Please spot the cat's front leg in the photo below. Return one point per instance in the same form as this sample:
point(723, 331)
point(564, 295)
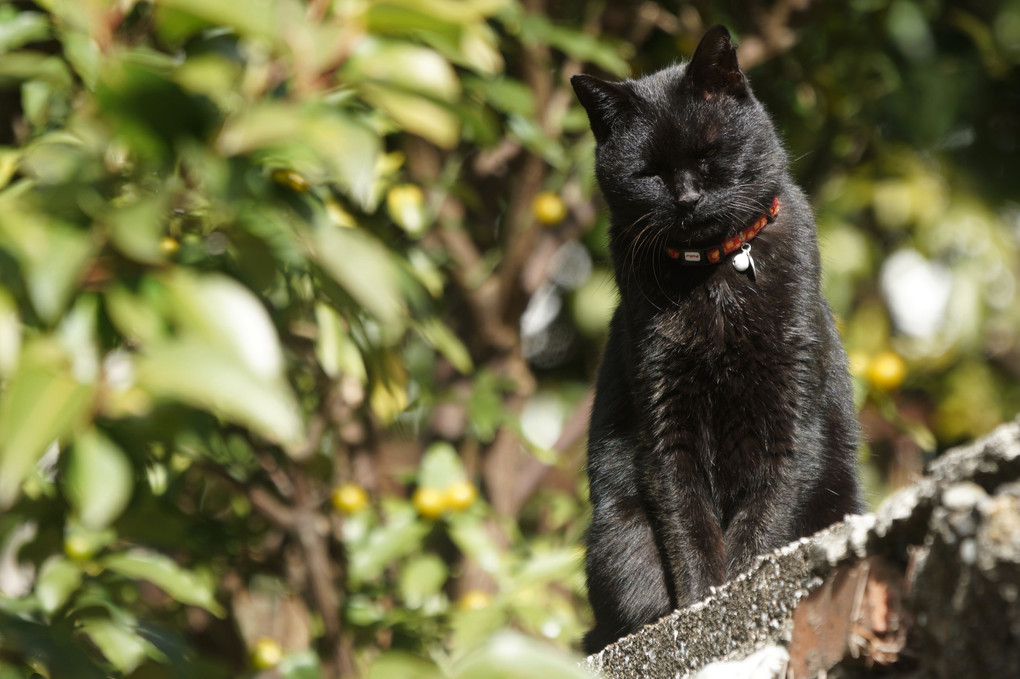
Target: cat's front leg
point(686, 526)
point(764, 521)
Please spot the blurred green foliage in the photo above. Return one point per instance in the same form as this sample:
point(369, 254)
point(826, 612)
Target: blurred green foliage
point(299, 302)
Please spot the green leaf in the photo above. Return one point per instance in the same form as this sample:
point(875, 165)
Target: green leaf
point(21, 28)
point(335, 350)
point(400, 537)
point(137, 230)
point(471, 536)
point(41, 404)
point(557, 565)
point(226, 315)
point(197, 374)
point(256, 19)
point(412, 84)
point(512, 656)
point(58, 578)
point(153, 114)
point(322, 144)
point(10, 335)
point(422, 578)
point(440, 466)
point(122, 645)
point(17, 67)
point(183, 585)
point(300, 665)
point(403, 65)
point(52, 256)
point(52, 646)
point(439, 335)
point(538, 30)
point(137, 319)
point(99, 480)
point(364, 268)
point(400, 665)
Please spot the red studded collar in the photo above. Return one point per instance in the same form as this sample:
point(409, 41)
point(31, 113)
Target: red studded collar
point(714, 255)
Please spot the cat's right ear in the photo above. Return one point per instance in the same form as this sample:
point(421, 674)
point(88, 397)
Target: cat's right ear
point(604, 101)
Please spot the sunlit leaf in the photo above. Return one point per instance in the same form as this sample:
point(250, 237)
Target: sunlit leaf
point(300, 665)
point(440, 466)
point(537, 29)
point(122, 645)
point(472, 537)
point(513, 656)
point(363, 267)
point(40, 404)
point(99, 480)
point(20, 28)
point(195, 373)
point(443, 339)
point(183, 585)
point(422, 577)
point(223, 313)
point(334, 348)
point(321, 144)
point(57, 579)
point(10, 334)
point(401, 536)
point(249, 18)
point(52, 257)
point(398, 665)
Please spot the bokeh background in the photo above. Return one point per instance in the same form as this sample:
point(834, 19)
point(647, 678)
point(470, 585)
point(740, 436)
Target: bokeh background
point(300, 303)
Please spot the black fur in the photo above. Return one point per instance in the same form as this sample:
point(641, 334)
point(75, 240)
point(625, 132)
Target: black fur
point(723, 424)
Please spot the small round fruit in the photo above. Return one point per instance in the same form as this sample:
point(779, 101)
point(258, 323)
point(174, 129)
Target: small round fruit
point(430, 502)
point(349, 498)
point(266, 654)
point(78, 548)
point(549, 208)
point(460, 495)
point(887, 370)
point(474, 600)
point(169, 245)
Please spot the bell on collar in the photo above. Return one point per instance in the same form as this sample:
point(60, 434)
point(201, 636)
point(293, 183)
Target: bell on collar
point(743, 262)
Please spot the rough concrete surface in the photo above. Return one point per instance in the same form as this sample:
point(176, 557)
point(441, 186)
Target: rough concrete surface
point(927, 586)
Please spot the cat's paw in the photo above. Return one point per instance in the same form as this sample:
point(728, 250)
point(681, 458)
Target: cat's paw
point(767, 663)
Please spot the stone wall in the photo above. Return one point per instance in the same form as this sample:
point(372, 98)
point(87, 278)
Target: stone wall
point(927, 586)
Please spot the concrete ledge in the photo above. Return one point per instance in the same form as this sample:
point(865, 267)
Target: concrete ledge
point(927, 586)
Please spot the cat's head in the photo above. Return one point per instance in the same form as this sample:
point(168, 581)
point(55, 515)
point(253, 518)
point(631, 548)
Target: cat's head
point(685, 155)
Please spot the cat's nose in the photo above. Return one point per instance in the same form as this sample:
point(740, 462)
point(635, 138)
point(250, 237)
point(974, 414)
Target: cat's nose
point(687, 189)
point(689, 197)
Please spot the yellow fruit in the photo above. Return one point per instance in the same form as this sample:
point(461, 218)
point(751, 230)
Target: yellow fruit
point(292, 179)
point(474, 600)
point(266, 654)
point(886, 370)
point(169, 246)
point(460, 495)
point(430, 502)
point(549, 208)
point(349, 498)
point(78, 548)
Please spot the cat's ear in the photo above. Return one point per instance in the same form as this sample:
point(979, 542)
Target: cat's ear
point(713, 68)
point(604, 101)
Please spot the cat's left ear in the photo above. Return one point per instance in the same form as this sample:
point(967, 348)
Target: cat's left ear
point(713, 68)
point(604, 101)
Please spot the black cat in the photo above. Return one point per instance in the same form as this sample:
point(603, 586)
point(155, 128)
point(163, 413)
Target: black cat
point(723, 424)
